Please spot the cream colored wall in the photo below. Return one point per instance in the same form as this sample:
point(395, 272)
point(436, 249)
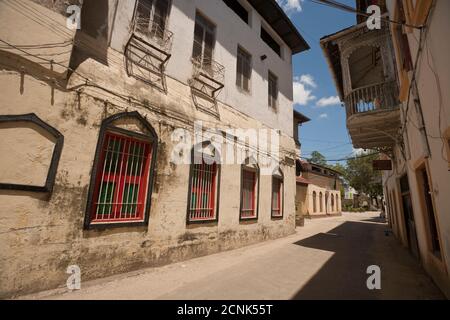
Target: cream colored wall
point(433, 79)
point(41, 235)
point(326, 206)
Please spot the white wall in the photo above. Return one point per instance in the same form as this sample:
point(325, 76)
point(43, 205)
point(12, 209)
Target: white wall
point(230, 32)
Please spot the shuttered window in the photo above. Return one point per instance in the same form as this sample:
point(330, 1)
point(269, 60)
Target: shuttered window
point(273, 90)
point(202, 197)
point(204, 39)
point(121, 185)
point(152, 16)
point(244, 69)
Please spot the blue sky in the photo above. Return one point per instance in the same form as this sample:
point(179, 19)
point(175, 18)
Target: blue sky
point(314, 91)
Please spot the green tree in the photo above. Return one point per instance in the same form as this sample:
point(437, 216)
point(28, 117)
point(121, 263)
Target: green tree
point(318, 158)
point(362, 177)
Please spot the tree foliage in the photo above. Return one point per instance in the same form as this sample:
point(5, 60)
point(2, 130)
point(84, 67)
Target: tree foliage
point(362, 177)
point(318, 158)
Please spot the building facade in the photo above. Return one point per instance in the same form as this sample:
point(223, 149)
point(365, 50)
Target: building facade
point(318, 192)
point(114, 135)
point(393, 82)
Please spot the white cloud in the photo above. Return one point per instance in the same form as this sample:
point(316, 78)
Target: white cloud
point(358, 152)
point(291, 6)
point(323, 116)
point(329, 101)
point(302, 89)
point(307, 79)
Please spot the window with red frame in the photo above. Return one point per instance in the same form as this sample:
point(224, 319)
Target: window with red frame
point(121, 185)
point(277, 197)
point(202, 198)
point(248, 194)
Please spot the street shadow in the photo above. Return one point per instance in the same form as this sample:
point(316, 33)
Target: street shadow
point(343, 276)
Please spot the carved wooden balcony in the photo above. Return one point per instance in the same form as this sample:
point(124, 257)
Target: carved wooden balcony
point(373, 115)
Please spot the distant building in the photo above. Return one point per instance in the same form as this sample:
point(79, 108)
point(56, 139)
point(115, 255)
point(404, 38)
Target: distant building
point(318, 191)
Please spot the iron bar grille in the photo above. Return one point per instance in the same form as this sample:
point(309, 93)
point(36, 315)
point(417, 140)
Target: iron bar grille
point(382, 96)
point(151, 24)
point(248, 208)
point(276, 198)
point(203, 192)
point(122, 180)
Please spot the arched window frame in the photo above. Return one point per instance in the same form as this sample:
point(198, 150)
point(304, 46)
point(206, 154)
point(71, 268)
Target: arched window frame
point(250, 165)
point(320, 202)
point(197, 156)
point(277, 177)
point(314, 195)
point(151, 139)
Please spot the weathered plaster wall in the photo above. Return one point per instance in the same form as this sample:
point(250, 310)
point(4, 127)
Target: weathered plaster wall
point(41, 234)
point(181, 22)
point(433, 79)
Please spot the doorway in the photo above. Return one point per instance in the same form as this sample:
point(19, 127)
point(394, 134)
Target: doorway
point(409, 216)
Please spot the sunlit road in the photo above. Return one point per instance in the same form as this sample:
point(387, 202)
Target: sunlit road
point(326, 259)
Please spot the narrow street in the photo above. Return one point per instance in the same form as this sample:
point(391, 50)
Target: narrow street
point(326, 259)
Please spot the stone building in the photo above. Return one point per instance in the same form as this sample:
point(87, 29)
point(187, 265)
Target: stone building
point(393, 81)
point(318, 191)
point(111, 134)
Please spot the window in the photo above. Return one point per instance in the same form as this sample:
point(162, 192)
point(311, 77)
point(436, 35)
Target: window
point(249, 190)
point(238, 9)
point(204, 39)
point(273, 90)
point(151, 17)
point(203, 187)
point(314, 201)
point(267, 38)
point(321, 201)
point(122, 175)
point(277, 194)
point(244, 69)
point(332, 202)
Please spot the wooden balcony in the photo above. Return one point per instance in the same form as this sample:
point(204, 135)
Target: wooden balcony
point(373, 115)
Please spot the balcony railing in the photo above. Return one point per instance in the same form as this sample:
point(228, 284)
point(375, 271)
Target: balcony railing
point(208, 76)
point(381, 96)
point(154, 32)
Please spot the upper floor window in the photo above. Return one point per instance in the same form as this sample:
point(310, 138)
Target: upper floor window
point(204, 40)
point(244, 69)
point(270, 41)
point(151, 17)
point(123, 172)
point(238, 9)
point(402, 38)
point(273, 90)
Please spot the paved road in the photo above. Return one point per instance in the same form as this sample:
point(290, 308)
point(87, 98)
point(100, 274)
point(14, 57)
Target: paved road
point(326, 259)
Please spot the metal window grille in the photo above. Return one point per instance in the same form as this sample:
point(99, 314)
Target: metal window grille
point(273, 90)
point(122, 180)
point(243, 73)
point(248, 196)
point(202, 192)
point(276, 198)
